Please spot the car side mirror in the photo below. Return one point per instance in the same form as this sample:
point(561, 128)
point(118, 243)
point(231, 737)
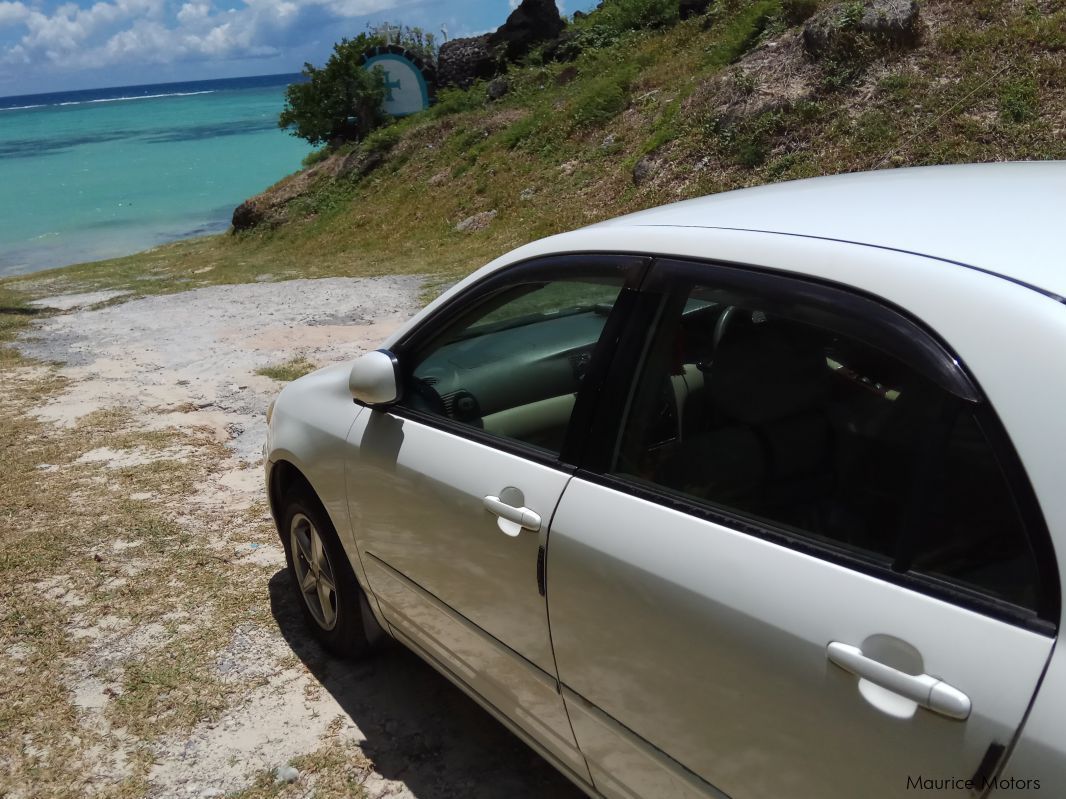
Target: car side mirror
point(375, 379)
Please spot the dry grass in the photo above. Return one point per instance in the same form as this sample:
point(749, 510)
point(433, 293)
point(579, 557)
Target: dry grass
point(288, 371)
point(113, 605)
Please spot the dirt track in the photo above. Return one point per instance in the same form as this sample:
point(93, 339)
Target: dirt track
point(183, 366)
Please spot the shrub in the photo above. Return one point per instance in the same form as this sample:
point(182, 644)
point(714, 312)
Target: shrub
point(339, 102)
point(607, 23)
point(316, 157)
point(628, 15)
point(381, 140)
point(601, 100)
point(456, 101)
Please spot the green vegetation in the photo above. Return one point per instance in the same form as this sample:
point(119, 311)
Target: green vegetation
point(721, 102)
point(342, 102)
point(617, 17)
point(339, 102)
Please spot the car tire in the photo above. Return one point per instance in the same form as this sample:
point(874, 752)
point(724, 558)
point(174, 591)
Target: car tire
point(332, 602)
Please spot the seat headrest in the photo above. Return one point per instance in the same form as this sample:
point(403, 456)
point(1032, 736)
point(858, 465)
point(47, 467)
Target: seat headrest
point(768, 370)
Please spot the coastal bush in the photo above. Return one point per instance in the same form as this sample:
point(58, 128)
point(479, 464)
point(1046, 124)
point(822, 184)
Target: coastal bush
point(339, 102)
point(382, 140)
point(456, 101)
point(601, 99)
point(315, 157)
point(627, 15)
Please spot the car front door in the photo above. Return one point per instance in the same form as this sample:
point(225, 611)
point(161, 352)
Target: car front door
point(801, 560)
point(451, 491)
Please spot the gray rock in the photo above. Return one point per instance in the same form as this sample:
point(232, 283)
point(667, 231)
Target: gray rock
point(645, 169)
point(887, 23)
point(472, 224)
point(527, 195)
point(246, 216)
point(609, 141)
point(892, 22)
point(286, 774)
point(463, 61)
point(533, 22)
point(498, 88)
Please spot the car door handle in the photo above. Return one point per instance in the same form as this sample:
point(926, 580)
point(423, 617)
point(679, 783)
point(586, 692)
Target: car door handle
point(929, 692)
point(512, 520)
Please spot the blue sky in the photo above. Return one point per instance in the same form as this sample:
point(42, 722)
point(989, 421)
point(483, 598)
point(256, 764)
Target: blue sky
point(57, 45)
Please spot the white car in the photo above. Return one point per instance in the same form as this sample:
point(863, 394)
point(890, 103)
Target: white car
point(757, 495)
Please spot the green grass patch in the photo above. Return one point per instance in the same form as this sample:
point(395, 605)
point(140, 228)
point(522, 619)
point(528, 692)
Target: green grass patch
point(601, 99)
point(1018, 100)
point(737, 31)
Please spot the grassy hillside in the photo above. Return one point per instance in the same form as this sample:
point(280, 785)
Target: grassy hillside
point(725, 100)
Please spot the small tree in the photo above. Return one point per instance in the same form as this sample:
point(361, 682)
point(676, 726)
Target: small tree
point(340, 102)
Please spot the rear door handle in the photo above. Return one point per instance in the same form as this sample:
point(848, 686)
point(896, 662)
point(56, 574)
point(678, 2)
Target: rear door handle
point(512, 520)
point(929, 692)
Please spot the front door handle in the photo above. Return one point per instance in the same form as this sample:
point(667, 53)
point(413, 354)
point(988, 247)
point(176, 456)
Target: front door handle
point(929, 692)
point(512, 520)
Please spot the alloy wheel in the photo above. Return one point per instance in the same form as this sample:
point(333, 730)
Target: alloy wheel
point(314, 572)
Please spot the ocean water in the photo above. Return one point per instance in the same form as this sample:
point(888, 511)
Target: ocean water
point(97, 174)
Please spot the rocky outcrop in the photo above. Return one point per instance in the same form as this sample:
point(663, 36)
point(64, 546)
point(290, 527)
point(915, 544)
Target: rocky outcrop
point(885, 23)
point(270, 209)
point(533, 22)
point(463, 61)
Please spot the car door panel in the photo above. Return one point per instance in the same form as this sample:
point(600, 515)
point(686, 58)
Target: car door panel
point(515, 687)
point(710, 645)
point(445, 573)
point(622, 764)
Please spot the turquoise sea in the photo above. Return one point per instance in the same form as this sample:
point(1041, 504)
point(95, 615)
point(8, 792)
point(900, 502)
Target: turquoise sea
point(95, 174)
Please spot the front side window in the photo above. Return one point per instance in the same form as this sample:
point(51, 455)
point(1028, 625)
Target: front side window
point(753, 408)
point(512, 365)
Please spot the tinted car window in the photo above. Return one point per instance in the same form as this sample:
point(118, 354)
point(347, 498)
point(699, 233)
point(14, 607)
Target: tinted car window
point(512, 365)
point(758, 413)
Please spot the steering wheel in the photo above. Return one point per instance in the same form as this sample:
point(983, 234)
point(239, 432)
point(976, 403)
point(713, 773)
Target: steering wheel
point(423, 397)
point(722, 325)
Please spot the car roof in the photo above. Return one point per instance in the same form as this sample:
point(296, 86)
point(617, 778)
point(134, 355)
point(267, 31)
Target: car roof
point(1006, 218)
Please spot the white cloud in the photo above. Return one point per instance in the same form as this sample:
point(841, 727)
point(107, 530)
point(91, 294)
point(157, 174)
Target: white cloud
point(193, 13)
point(132, 32)
point(12, 13)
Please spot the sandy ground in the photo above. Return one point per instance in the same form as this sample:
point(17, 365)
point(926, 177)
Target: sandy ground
point(187, 361)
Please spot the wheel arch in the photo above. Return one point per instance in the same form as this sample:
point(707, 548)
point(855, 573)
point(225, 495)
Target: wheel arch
point(284, 475)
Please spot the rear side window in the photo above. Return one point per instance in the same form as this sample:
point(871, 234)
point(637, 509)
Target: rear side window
point(753, 409)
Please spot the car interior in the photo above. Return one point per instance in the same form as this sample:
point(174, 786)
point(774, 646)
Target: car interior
point(798, 425)
point(516, 369)
point(752, 411)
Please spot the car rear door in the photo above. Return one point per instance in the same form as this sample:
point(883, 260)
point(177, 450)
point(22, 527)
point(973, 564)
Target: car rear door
point(802, 558)
point(451, 491)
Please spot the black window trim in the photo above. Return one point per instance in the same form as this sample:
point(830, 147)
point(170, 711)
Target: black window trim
point(569, 266)
point(952, 375)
